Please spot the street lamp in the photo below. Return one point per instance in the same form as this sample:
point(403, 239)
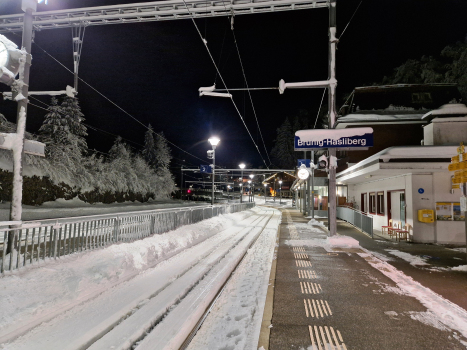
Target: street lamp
point(280, 190)
point(242, 166)
point(249, 190)
point(265, 195)
point(213, 141)
point(253, 185)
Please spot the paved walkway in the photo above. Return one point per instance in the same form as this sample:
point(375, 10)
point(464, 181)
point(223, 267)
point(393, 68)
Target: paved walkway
point(338, 298)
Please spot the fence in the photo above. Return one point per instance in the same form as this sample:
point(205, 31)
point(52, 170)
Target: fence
point(356, 218)
point(39, 240)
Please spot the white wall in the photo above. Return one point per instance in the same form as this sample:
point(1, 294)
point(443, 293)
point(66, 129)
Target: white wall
point(422, 232)
point(436, 188)
point(403, 182)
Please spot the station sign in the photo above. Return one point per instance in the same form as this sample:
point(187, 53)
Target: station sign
point(205, 169)
point(306, 162)
point(342, 139)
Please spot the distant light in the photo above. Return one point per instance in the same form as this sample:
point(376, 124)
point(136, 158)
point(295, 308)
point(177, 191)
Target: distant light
point(265, 185)
point(189, 191)
point(252, 176)
point(214, 141)
point(242, 166)
point(280, 182)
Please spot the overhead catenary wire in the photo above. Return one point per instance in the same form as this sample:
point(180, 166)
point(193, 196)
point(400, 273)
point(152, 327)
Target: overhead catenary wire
point(223, 82)
point(350, 19)
point(319, 109)
point(105, 97)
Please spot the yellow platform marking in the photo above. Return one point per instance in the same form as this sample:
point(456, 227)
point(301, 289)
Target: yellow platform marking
point(310, 288)
point(323, 338)
point(317, 308)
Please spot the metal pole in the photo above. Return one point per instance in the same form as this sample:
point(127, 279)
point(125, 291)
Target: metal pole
point(213, 172)
point(274, 189)
point(280, 194)
point(313, 185)
point(181, 182)
point(16, 202)
point(241, 189)
point(332, 116)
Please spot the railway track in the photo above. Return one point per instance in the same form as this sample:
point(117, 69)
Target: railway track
point(162, 308)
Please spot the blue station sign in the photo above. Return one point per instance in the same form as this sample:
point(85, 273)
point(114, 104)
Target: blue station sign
point(351, 138)
point(205, 169)
point(307, 162)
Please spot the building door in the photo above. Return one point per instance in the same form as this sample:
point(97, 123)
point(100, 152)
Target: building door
point(364, 202)
point(402, 207)
point(397, 207)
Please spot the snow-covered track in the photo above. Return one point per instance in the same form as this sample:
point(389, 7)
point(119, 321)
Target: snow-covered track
point(122, 316)
point(52, 238)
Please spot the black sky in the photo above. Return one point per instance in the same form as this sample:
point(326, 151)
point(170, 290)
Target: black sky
point(153, 70)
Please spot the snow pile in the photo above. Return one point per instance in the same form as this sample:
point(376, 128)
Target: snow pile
point(460, 268)
point(342, 242)
point(315, 222)
point(412, 259)
point(73, 279)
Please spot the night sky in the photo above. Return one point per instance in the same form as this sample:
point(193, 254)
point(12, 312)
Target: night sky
point(153, 70)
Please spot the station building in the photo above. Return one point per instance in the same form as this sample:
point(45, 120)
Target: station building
point(417, 129)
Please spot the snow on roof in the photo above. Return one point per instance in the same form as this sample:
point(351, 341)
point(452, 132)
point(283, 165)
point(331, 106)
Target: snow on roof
point(374, 116)
point(405, 152)
point(446, 110)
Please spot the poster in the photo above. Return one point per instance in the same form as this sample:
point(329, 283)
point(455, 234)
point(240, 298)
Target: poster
point(443, 211)
point(458, 215)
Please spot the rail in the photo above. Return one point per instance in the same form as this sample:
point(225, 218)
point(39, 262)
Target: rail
point(52, 238)
point(356, 218)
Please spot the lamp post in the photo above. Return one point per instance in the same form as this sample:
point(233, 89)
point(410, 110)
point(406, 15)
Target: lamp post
point(249, 184)
point(265, 187)
point(280, 192)
point(253, 185)
point(242, 166)
point(213, 141)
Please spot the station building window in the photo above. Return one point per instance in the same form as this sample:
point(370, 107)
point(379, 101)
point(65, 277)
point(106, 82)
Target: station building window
point(372, 204)
point(380, 203)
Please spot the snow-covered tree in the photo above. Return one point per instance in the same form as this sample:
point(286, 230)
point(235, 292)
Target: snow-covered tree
point(73, 121)
point(149, 150)
point(163, 156)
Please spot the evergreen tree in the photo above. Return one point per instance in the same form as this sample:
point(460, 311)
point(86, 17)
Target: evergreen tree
point(163, 156)
point(283, 151)
point(53, 129)
point(73, 121)
point(149, 150)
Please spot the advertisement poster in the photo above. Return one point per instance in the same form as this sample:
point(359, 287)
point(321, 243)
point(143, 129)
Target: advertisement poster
point(458, 215)
point(444, 211)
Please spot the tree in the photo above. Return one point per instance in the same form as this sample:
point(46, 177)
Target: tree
point(149, 151)
point(163, 156)
point(283, 151)
point(450, 67)
point(73, 121)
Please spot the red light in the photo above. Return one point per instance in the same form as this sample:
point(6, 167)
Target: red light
point(189, 191)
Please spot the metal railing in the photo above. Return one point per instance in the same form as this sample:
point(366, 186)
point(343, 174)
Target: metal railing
point(356, 218)
point(52, 238)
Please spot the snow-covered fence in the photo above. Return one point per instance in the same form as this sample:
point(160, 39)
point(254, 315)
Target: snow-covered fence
point(41, 240)
point(356, 218)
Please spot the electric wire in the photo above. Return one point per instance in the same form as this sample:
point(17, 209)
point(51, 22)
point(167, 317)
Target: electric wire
point(249, 94)
point(223, 82)
point(105, 97)
point(317, 116)
point(350, 19)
